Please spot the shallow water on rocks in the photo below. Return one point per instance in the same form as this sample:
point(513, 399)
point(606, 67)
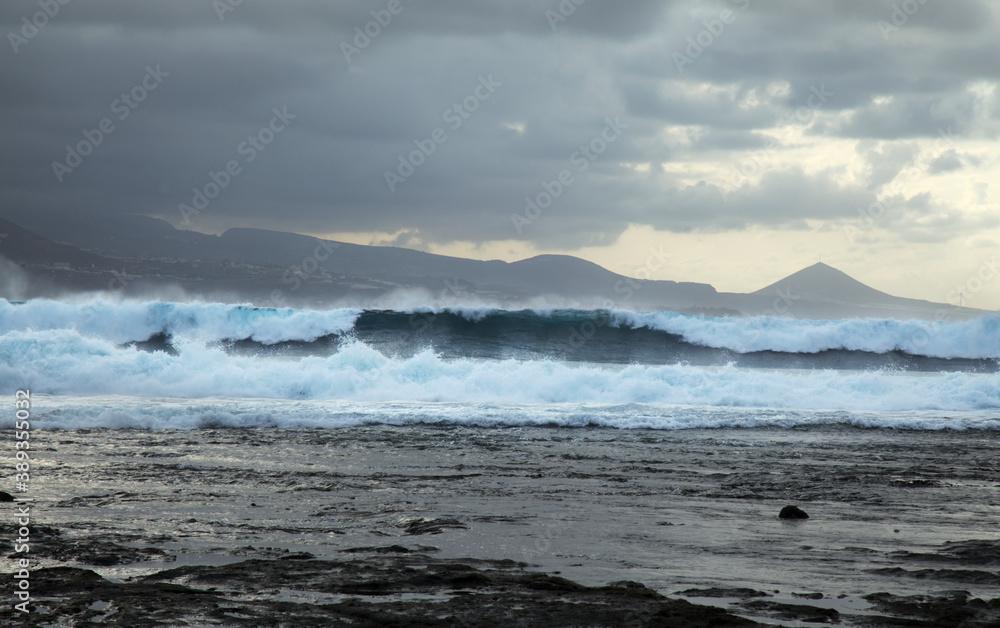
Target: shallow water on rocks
point(903, 512)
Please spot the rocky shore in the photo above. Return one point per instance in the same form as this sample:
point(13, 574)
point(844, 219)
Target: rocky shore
point(386, 586)
point(393, 585)
point(446, 526)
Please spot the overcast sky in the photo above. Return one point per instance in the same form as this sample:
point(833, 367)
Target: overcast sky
point(741, 140)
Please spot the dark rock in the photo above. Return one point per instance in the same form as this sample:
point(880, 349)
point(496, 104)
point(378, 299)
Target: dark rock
point(103, 560)
point(542, 582)
point(378, 549)
point(431, 526)
point(737, 592)
point(683, 613)
point(6, 497)
point(967, 576)
point(917, 483)
point(792, 512)
point(948, 608)
point(629, 584)
point(161, 341)
point(264, 552)
point(800, 612)
point(631, 588)
point(981, 553)
point(101, 550)
point(450, 593)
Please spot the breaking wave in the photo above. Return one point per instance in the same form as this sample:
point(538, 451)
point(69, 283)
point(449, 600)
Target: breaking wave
point(562, 367)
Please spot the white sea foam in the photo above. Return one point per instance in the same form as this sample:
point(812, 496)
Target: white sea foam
point(75, 349)
point(65, 362)
point(124, 321)
point(73, 412)
point(976, 338)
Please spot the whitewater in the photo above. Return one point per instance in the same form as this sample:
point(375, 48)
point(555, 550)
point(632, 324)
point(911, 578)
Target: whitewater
point(161, 365)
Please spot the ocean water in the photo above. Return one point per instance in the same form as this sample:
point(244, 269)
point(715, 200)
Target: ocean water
point(599, 445)
point(131, 364)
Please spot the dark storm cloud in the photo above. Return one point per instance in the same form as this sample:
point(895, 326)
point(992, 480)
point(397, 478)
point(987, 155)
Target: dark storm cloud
point(923, 219)
point(559, 70)
point(947, 162)
point(886, 162)
point(909, 116)
point(787, 197)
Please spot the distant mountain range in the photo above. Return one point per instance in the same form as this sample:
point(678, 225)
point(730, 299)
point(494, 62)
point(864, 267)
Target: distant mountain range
point(814, 291)
point(19, 244)
point(144, 256)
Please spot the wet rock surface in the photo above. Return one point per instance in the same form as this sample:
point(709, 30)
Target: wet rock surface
point(985, 553)
point(99, 550)
point(971, 576)
point(946, 609)
point(792, 512)
point(376, 590)
point(375, 526)
point(430, 525)
point(720, 592)
point(800, 612)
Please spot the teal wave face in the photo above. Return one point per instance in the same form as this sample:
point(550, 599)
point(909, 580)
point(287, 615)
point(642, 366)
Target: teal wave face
point(600, 336)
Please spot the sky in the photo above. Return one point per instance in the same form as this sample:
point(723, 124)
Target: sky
point(723, 141)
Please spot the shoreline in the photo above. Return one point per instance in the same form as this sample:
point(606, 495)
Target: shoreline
point(690, 514)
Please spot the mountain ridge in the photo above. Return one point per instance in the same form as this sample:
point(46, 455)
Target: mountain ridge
point(834, 282)
point(321, 272)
